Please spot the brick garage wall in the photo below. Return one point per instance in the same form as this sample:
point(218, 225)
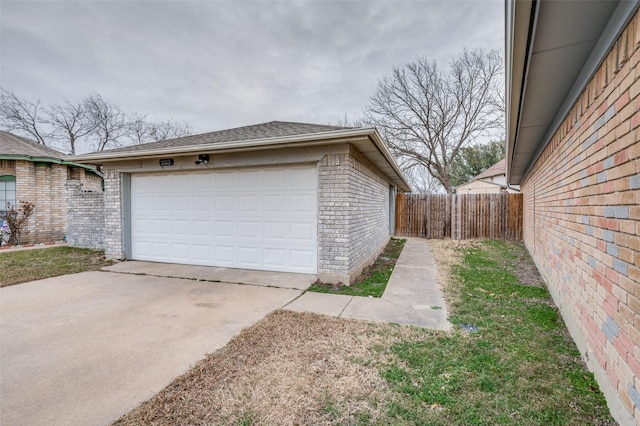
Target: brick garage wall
point(353, 215)
point(113, 238)
point(368, 213)
point(85, 216)
point(582, 223)
point(333, 229)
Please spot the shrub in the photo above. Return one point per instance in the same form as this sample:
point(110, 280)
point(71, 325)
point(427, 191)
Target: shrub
point(17, 220)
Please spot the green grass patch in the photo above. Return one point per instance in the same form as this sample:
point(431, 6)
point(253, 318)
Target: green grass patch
point(373, 280)
point(28, 265)
point(519, 367)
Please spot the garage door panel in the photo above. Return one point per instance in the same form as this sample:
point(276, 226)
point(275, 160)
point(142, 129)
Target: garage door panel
point(303, 178)
point(224, 254)
point(249, 204)
point(302, 232)
point(201, 254)
point(303, 203)
point(274, 179)
point(249, 257)
point(225, 229)
point(202, 205)
point(224, 203)
point(274, 257)
point(225, 180)
point(258, 218)
point(276, 204)
point(275, 231)
point(302, 260)
point(251, 230)
point(249, 179)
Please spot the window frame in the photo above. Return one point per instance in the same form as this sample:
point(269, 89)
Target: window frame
point(3, 192)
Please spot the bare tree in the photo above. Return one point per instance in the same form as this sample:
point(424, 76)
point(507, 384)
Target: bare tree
point(140, 130)
point(108, 120)
point(69, 122)
point(427, 115)
point(22, 116)
point(168, 129)
point(93, 120)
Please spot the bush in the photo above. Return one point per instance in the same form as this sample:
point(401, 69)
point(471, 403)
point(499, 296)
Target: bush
point(16, 220)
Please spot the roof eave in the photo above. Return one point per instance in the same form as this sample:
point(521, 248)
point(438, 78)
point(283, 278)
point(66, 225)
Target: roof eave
point(523, 18)
point(46, 160)
point(310, 139)
point(519, 16)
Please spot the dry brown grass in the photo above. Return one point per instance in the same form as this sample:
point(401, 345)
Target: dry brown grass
point(290, 368)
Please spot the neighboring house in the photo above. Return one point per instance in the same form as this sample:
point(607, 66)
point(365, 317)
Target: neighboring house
point(491, 181)
point(33, 172)
point(573, 117)
point(276, 196)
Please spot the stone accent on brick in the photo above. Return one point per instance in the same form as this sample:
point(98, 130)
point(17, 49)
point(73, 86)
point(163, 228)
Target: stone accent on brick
point(85, 216)
point(353, 215)
point(582, 223)
point(113, 238)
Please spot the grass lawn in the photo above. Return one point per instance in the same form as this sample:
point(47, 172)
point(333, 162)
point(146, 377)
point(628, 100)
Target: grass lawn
point(508, 360)
point(28, 265)
point(373, 280)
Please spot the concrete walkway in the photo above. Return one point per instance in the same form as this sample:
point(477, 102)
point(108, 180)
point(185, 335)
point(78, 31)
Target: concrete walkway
point(413, 295)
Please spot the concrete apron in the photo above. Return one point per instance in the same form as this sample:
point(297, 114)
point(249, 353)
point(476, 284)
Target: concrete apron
point(214, 273)
point(87, 348)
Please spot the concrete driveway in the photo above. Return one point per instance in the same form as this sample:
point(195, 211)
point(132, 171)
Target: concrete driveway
point(86, 348)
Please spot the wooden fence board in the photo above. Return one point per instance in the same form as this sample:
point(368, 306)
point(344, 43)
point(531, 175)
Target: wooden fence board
point(464, 216)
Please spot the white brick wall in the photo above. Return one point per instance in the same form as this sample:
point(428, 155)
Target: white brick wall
point(85, 216)
point(113, 237)
point(353, 215)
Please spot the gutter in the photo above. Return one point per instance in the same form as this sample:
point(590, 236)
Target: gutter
point(49, 160)
point(249, 144)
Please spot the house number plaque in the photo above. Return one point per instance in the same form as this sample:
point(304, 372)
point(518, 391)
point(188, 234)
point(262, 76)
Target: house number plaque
point(166, 162)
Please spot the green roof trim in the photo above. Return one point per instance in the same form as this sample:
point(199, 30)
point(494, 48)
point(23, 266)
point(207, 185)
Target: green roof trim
point(46, 160)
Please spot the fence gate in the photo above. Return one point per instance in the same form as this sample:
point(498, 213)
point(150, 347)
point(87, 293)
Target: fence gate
point(464, 216)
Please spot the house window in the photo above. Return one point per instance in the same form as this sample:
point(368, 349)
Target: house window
point(7, 192)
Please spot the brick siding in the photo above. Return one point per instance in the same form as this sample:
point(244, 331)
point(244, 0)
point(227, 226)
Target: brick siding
point(85, 215)
point(113, 238)
point(353, 215)
point(582, 223)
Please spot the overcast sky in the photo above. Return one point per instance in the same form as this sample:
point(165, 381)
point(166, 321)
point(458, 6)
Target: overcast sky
point(223, 64)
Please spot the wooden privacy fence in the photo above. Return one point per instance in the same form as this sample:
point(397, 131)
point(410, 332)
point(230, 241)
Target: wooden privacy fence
point(496, 216)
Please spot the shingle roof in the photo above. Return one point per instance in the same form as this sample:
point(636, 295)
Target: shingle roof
point(496, 170)
point(11, 144)
point(273, 129)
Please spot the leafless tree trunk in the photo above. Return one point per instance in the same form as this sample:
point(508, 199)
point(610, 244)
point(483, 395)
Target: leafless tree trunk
point(70, 122)
point(108, 120)
point(17, 114)
point(427, 116)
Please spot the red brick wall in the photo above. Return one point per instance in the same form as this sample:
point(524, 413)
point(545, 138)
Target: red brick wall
point(582, 223)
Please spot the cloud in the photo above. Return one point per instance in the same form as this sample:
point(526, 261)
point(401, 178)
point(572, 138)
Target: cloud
point(219, 64)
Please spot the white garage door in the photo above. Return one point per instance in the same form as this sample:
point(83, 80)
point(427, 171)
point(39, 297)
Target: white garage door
point(252, 218)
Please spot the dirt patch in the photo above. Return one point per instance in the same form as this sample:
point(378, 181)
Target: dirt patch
point(291, 368)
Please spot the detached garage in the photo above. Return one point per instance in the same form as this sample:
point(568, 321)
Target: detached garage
point(277, 196)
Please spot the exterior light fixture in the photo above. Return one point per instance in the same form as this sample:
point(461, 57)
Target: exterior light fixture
point(203, 158)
